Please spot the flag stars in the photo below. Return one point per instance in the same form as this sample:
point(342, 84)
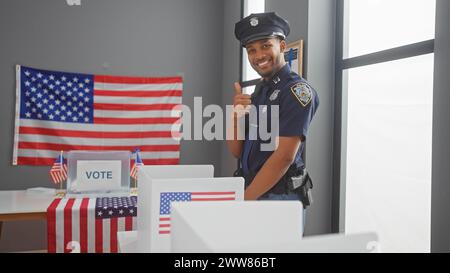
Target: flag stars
point(86, 99)
point(75, 108)
point(87, 81)
point(86, 109)
point(74, 119)
point(51, 116)
point(69, 103)
point(80, 114)
point(81, 85)
point(27, 73)
point(28, 104)
point(80, 94)
point(69, 84)
point(121, 211)
point(86, 90)
point(63, 118)
point(110, 212)
point(27, 83)
point(27, 93)
point(39, 75)
point(100, 213)
point(28, 114)
point(52, 77)
point(39, 115)
point(69, 93)
point(52, 97)
point(33, 79)
point(57, 112)
point(80, 104)
point(63, 78)
point(74, 98)
point(63, 107)
point(57, 102)
point(63, 97)
point(45, 101)
point(63, 88)
point(33, 99)
point(51, 86)
point(51, 106)
point(39, 95)
point(75, 79)
point(45, 81)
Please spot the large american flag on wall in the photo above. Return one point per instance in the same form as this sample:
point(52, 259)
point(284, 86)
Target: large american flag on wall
point(60, 111)
point(91, 222)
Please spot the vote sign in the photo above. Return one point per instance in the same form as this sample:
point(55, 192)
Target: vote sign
point(98, 175)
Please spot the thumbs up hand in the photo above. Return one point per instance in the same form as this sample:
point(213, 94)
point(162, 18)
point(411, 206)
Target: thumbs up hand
point(241, 102)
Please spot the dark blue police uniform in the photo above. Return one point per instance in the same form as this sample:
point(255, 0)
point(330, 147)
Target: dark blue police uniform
point(297, 102)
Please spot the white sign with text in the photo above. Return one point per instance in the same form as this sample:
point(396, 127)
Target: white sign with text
point(98, 175)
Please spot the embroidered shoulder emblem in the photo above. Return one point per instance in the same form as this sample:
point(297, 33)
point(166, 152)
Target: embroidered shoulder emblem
point(302, 93)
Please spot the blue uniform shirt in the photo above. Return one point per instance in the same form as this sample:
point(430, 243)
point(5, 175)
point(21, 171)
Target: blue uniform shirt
point(297, 102)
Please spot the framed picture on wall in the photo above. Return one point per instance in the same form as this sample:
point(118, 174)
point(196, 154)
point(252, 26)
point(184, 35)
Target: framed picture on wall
point(294, 56)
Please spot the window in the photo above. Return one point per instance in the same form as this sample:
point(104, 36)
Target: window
point(248, 73)
point(386, 82)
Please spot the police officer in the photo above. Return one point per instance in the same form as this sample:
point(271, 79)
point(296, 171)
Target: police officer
point(267, 172)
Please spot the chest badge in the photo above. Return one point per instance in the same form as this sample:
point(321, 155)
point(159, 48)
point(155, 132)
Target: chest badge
point(303, 93)
point(274, 95)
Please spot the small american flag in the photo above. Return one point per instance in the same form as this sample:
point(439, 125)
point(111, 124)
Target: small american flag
point(138, 162)
point(58, 172)
point(62, 111)
point(93, 222)
point(167, 197)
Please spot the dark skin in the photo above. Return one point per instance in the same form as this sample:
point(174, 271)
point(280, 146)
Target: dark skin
point(266, 56)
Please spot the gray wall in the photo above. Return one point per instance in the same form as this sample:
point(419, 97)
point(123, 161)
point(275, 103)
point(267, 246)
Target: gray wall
point(296, 12)
point(231, 62)
point(440, 202)
point(165, 37)
point(319, 148)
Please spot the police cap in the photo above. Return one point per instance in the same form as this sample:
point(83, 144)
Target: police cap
point(259, 26)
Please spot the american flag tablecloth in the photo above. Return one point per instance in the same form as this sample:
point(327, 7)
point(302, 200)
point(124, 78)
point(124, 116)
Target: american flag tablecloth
point(92, 222)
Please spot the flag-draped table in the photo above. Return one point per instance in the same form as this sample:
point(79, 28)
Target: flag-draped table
point(92, 223)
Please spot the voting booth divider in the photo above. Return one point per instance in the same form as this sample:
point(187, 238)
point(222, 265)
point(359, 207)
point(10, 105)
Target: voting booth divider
point(157, 194)
point(246, 226)
point(255, 227)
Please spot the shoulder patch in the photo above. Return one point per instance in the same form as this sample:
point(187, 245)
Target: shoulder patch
point(302, 93)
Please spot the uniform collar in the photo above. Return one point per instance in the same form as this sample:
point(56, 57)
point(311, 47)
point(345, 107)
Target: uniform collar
point(280, 77)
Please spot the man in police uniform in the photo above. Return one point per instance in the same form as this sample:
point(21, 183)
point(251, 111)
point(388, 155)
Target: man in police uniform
point(267, 172)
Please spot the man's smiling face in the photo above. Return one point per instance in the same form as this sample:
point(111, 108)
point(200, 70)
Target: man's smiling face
point(266, 56)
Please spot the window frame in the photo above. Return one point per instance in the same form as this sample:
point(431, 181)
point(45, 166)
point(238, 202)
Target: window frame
point(341, 99)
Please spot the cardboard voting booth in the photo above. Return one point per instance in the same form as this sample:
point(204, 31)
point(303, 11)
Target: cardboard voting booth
point(156, 194)
point(250, 226)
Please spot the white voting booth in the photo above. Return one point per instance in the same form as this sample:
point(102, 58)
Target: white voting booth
point(255, 227)
point(158, 188)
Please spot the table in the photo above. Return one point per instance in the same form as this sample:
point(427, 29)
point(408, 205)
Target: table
point(23, 205)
